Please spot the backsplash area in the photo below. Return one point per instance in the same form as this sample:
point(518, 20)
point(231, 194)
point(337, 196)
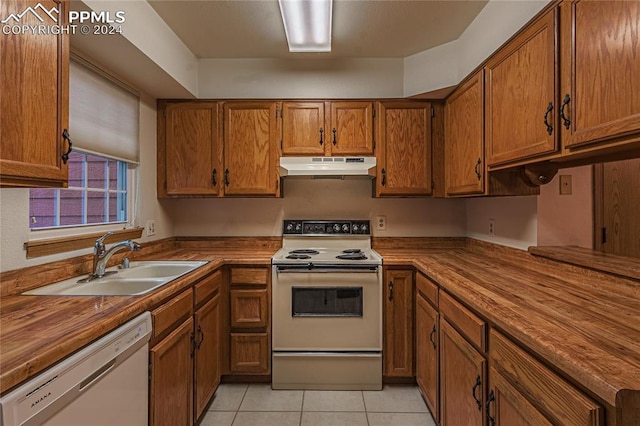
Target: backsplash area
point(317, 199)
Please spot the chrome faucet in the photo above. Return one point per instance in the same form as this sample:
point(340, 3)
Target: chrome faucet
point(101, 255)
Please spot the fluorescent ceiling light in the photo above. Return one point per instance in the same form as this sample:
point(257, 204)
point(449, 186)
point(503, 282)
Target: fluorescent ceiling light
point(307, 24)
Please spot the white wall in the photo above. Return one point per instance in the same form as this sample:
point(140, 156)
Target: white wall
point(300, 78)
point(567, 219)
point(515, 220)
point(316, 199)
point(14, 204)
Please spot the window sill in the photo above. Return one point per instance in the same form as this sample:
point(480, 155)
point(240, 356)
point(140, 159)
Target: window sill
point(51, 246)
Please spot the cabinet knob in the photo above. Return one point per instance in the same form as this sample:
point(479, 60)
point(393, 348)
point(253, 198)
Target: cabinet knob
point(546, 118)
point(565, 119)
point(65, 155)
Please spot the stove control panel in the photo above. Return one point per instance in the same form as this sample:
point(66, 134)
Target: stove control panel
point(326, 227)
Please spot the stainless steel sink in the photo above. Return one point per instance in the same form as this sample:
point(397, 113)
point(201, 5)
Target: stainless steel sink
point(140, 278)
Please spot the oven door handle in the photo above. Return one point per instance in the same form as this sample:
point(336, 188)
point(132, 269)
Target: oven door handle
point(310, 267)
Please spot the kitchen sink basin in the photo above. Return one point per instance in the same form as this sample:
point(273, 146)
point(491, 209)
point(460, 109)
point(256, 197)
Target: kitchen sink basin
point(140, 278)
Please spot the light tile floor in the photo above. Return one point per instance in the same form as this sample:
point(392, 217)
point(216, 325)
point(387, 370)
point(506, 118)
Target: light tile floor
point(259, 405)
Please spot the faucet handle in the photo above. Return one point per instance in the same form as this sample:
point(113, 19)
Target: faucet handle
point(99, 244)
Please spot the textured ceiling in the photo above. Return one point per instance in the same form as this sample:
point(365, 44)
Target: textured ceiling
point(361, 28)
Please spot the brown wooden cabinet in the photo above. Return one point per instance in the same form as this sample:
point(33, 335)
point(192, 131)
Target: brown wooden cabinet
point(462, 380)
point(250, 148)
point(427, 349)
point(303, 128)
point(250, 322)
point(351, 128)
point(403, 132)
point(208, 338)
point(599, 71)
point(532, 392)
point(34, 107)
point(398, 323)
point(520, 96)
point(464, 136)
point(189, 149)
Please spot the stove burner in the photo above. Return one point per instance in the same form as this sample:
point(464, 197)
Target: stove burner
point(352, 251)
point(304, 251)
point(352, 256)
point(298, 256)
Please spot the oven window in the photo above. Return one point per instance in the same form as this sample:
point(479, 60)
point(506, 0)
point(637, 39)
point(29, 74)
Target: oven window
point(326, 301)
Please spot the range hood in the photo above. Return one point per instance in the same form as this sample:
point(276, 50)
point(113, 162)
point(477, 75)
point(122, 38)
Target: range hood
point(328, 167)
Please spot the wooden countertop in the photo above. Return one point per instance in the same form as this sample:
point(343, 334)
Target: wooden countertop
point(587, 325)
point(38, 331)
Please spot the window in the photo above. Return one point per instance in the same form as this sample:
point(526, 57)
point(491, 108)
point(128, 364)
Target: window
point(97, 194)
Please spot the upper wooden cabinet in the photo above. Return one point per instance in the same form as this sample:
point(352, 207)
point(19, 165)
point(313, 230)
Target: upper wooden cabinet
point(520, 95)
point(464, 139)
point(303, 128)
point(600, 71)
point(250, 148)
point(34, 112)
point(189, 149)
point(351, 128)
point(404, 148)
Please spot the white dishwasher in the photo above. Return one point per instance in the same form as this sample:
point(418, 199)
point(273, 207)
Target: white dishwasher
point(105, 383)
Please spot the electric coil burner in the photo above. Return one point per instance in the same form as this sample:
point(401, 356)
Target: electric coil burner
point(327, 307)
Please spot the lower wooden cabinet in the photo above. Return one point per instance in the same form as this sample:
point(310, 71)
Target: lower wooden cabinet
point(250, 353)
point(427, 347)
point(207, 353)
point(462, 380)
point(171, 387)
point(398, 323)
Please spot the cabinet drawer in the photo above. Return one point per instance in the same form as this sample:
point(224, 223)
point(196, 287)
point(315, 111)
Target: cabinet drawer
point(250, 276)
point(249, 353)
point(468, 323)
point(427, 288)
point(249, 308)
point(559, 400)
point(172, 313)
point(208, 287)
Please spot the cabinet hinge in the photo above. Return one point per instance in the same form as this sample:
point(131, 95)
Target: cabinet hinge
point(604, 235)
point(433, 112)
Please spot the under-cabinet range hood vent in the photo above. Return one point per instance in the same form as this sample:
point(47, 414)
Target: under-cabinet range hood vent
point(328, 167)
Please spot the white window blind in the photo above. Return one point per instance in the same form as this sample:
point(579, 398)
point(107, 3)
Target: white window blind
point(103, 116)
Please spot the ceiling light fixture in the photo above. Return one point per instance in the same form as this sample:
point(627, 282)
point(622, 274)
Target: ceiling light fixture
point(307, 24)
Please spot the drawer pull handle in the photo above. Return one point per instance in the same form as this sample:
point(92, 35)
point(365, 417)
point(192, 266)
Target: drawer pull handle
point(199, 342)
point(565, 102)
point(214, 177)
point(226, 177)
point(321, 132)
point(432, 335)
point(390, 291)
point(384, 177)
point(490, 399)
point(473, 392)
point(546, 118)
point(335, 142)
point(475, 169)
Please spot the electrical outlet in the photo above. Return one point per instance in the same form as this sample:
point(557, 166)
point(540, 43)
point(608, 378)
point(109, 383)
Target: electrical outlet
point(492, 227)
point(566, 187)
point(381, 223)
point(150, 228)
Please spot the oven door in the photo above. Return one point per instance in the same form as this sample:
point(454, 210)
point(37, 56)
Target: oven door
point(327, 308)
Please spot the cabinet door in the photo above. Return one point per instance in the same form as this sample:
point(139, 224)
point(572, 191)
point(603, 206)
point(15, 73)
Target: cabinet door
point(303, 129)
point(520, 90)
point(462, 380)
point(250, 154)
point(171, 389)
point(250, 353)
point(249, 308)
point(351, 128)
point(188, 149)
point(398, 323)
point(207, 356)
point(427, 352)
point(404, 149)
point(600, 70)
point(34, 110)
point(508, 407)
point(464, 138)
